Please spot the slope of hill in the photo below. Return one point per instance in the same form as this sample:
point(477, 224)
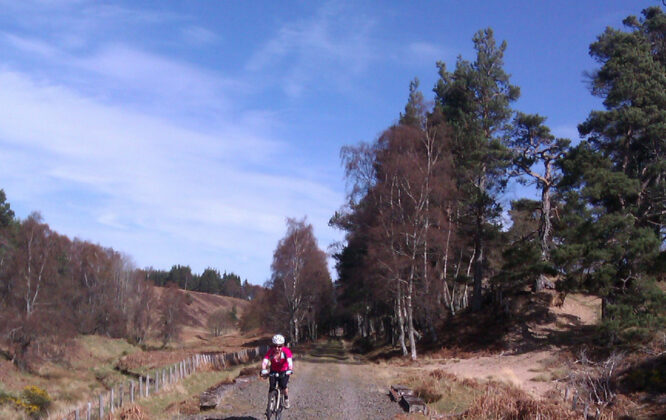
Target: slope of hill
point(198, 307)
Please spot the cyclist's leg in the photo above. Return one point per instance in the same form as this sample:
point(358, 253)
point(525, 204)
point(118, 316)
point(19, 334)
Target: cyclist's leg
point(284, 381)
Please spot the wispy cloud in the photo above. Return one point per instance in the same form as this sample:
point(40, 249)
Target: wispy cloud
point(331, 47)
point(196, 35)
point(162, 78)
point(30, 46)
point(427, 52)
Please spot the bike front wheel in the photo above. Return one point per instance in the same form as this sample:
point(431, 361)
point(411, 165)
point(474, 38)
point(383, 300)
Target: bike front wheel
point(273, 405)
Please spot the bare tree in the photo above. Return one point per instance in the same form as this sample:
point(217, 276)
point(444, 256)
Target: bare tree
point(299, 272)
point(171, 307)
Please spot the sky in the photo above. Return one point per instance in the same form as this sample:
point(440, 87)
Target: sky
point(187, 132)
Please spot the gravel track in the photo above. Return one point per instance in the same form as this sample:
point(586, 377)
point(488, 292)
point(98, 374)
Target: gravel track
point(328, 384)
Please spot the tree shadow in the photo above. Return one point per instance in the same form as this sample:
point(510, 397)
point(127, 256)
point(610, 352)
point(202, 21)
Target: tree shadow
point(240, 418)
point(258, 342)
point(344, 361)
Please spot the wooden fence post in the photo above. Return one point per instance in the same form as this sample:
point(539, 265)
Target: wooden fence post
point(111, 401)
point(140, 387)
point(89, 412)
point(131, 392)
point(147, 387)
point(101, 407)
point(121, 392)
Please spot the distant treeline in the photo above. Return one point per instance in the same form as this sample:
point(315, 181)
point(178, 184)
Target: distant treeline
point(210, 281)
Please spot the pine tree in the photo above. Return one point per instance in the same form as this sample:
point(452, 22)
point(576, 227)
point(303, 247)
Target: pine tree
point(475, 100)
point(535, 147)
point(613, 181)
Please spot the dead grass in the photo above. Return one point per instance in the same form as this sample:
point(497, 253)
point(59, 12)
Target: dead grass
point(133, 412)
point(443, 392)
point(502, 401)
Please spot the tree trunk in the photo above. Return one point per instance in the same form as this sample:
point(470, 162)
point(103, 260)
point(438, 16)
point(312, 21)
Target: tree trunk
point(478, 264)
point(401, 321)
point(545, 229)
point(410, 320)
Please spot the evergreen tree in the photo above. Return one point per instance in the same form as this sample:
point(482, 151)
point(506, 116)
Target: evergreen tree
point(475, 100)
point(6, 213)
point(615, 180)
point(535, 147)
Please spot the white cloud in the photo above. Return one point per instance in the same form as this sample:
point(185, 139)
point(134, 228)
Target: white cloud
point(134, 70)
point(333, 46)
point(30, 46)
point(196, 35)
point(427, 52)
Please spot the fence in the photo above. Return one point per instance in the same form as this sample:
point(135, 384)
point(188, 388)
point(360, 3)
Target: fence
point(156, 381)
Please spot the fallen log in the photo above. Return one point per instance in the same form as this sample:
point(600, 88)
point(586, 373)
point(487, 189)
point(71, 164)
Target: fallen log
point(397, 391)
point(211, 397)
point(414, 404)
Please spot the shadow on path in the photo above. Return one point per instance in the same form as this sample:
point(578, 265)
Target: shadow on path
point(220, 417)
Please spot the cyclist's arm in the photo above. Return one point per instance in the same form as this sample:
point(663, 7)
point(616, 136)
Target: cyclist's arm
point(266, 361)
point(290, 360)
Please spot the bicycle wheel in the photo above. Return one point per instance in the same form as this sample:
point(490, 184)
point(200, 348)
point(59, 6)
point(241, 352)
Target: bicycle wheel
point(280, 406)
point(273, 404)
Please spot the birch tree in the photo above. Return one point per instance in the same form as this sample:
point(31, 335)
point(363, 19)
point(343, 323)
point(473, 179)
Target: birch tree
point(299, 275)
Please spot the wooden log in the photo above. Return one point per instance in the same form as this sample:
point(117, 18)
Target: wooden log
point(211, 397)
point(397, 391)
point(414, 404)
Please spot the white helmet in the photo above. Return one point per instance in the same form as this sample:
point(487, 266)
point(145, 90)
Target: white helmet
point(278, 339)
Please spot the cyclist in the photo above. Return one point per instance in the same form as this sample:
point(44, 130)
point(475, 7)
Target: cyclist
point(280, 359)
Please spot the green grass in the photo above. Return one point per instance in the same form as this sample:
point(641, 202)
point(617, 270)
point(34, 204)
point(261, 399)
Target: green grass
point(103, 349)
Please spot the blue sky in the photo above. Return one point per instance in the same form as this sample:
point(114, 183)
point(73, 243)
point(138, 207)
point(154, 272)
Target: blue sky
point(187, 132)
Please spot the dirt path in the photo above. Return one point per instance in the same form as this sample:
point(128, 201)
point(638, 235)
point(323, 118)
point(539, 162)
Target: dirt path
point(328, 384)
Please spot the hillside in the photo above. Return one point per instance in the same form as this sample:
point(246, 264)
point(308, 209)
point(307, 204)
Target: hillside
point(198, 307)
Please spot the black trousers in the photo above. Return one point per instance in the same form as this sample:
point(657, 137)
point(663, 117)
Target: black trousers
point(282, 381)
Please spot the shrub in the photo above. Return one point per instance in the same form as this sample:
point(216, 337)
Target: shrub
point(429, 390)
point(33, 400)
point(37, 397)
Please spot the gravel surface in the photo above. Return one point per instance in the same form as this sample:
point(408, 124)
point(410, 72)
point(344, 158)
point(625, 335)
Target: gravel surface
point(326, 385)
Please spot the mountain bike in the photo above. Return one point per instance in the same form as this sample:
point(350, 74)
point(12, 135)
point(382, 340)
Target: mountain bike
point(275, 397)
